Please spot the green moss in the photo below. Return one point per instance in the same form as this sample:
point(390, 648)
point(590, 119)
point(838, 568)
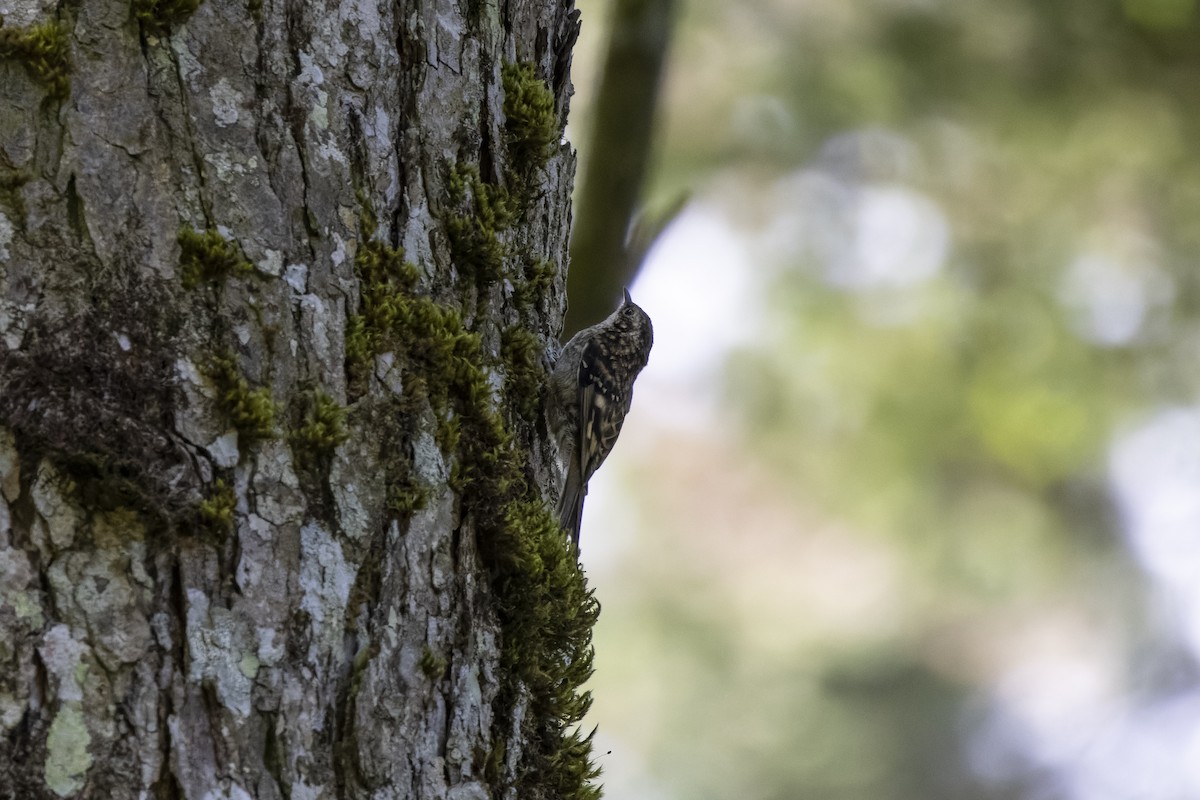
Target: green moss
point(250, 411)
point(521, 353)
point(545, 610)
point(216, 511)
point(385, 279)
point(158, 16)
point(433, 665)
point(405, 496)
point(475, 246)
point(546, 613)
point(530, 121)
point(11, 181)
point(485, 210)
point(208, 257)
point(533, 286)
point(44, 50)
point(323, 428)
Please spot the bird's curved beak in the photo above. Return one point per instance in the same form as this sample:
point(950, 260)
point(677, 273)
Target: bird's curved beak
point(628, 299)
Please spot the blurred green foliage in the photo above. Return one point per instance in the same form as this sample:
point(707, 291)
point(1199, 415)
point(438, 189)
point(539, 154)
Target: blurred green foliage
point(960, 417)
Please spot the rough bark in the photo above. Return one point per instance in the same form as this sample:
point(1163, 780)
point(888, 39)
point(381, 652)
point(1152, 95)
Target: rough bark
point(275, 283)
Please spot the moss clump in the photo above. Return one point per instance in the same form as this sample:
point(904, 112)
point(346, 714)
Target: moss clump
point(250, 411)
point(475, 246)
point(405, 495)
point(530, 120)
point(158, 16)
point(45, 52)
point(531, 290)
point(208, 257)
point(323, 428)
point(216, 510)
point(547, 614)
point(525, 379)
point(545, 609)
point(487, 209)
point(11, 181)
point(384, 280)
point(433, 665)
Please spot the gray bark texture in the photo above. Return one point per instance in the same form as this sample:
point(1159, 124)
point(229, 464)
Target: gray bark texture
point(277, 282)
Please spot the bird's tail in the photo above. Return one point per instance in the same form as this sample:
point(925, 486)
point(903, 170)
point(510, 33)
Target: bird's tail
point(570, 505)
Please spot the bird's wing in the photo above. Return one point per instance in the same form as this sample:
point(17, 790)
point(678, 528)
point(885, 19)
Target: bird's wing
point(601, 411)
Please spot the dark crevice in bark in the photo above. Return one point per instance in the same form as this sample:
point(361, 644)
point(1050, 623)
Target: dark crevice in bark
point(26, 743)
point(359, 171)
point(489, 163)
point(274, 755)
point(297, 40)
point(75, 213)
point(166, 787)
point(409, 76)
point(345, 763)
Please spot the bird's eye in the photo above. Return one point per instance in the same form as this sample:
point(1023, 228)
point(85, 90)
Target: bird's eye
point(629, 311)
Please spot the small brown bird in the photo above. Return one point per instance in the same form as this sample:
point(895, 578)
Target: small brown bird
point(592, 386)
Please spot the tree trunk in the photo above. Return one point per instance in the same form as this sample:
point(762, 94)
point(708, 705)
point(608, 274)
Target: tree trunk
point(276, 284)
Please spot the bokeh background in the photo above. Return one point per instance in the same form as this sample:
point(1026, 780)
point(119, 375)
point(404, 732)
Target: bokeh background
point(908, 505)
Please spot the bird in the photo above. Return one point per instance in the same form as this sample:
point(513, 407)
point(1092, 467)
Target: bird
point(592, 390)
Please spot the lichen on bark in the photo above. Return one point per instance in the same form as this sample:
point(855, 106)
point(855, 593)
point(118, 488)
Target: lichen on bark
point(272, 488)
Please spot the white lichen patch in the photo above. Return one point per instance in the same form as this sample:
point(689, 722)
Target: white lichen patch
point(67, 756)
point(63, 656)
point(225, 103)
point(296, 276)
point(271, 649)
point(325, 580)
point(224, 449)
point(234, 792)
point(331, 152)
point(217, 642)
point(339, 254)
point(468, 791)
point(303, 791)
point(271, 263)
